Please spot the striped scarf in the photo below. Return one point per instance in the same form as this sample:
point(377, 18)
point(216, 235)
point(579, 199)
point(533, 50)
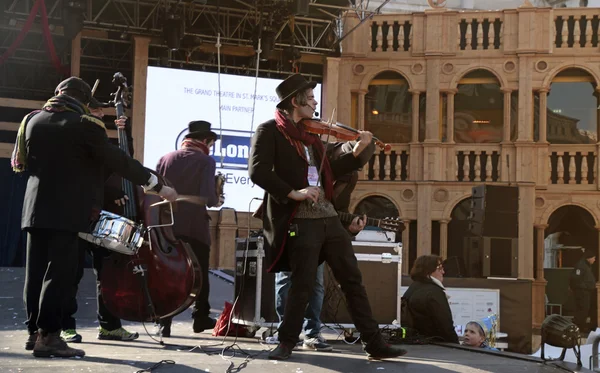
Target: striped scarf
point(195, 144)
point(298, 138)
point(56, 104)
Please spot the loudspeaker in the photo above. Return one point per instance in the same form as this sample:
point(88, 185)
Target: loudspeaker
point(491, 256)
point(494, 211)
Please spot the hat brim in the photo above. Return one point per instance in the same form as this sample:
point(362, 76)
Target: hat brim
point(303, 87)
point(95, 104)
point(201, 135)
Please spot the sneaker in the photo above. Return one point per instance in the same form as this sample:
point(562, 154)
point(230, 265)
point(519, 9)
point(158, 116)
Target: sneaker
point(70, 336)
point(317, 344)
point(31, 341)
point(282, 352)
point(117, 335)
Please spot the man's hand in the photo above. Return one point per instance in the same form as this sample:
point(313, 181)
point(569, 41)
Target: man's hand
point(121, 201)
point(364, 139)
point(121, 122)
point(311, 193)
point(168, 193)
point(357, 225)
point(221, 201)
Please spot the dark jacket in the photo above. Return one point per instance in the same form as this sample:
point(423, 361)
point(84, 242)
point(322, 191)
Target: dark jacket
point(66, 158)
point(192, 173)
point(275, 166)
point(428, 311)
point(582, 277)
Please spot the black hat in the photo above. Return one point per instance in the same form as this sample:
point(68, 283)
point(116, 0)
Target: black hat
point(292, 85)
point(200, 129)
point(76, 84)
point(588, 253)
point(95, 104)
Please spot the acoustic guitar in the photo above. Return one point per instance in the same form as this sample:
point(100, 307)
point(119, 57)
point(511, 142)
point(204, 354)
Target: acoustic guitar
point(387, 224)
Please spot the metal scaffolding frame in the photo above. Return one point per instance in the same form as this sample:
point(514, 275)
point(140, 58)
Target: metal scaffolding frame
point(109, 25)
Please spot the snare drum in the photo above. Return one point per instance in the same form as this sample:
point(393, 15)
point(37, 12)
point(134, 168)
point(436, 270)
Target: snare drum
point(116, 233)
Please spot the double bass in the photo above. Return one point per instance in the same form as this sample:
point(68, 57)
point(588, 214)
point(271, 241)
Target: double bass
point(162, 278)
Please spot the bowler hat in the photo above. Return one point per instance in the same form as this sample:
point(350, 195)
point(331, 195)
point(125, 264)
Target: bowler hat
point(291, 86)
point(200, 129)
point(77, 84)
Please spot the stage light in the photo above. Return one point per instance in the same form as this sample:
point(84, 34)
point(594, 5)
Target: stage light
point(12, 22)
point(72, 16)
point(560, 332)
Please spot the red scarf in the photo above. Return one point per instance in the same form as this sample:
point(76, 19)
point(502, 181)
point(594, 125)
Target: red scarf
point(299, 138)
point(194, 144)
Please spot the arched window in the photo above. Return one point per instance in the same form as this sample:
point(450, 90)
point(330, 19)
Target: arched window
point(572, 115)
point(478, 109)
point(377, 207)
point(388, 108)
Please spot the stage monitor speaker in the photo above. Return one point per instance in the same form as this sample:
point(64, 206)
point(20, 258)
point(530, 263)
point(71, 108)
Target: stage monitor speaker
point(494, 211)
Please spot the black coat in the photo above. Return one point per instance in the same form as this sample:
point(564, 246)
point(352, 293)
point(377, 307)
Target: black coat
point(66, 159)
point(428, 311)
point(275, 166)
point(582, 277)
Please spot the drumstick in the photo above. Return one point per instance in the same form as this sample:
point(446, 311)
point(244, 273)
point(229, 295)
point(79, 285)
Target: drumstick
point(95, 86)
point(184, 198)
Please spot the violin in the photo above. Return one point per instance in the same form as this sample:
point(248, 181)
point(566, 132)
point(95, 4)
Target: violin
point(339, 131)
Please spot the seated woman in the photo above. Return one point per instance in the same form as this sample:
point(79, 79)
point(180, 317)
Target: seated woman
point(476, 335)
point(427, 308)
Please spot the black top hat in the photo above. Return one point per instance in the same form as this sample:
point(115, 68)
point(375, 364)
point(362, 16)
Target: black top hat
point(200, 129)
point(292, 85)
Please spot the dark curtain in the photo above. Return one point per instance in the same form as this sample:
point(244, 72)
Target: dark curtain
point(12, 240)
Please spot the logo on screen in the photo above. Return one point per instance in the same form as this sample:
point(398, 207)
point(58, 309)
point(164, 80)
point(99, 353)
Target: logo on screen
point(231, 149)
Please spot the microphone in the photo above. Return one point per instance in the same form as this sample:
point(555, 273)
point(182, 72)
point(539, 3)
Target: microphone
point(316, 112)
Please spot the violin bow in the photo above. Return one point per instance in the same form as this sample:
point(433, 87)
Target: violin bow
point(325, 149)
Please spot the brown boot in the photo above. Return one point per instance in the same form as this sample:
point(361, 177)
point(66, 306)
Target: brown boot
point(31, 341)
point(51, 344)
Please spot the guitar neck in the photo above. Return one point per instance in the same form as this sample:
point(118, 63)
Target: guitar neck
point(347, 217)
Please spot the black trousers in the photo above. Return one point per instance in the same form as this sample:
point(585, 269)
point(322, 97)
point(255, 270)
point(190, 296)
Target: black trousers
point(582, 311)
point(106, 319)
point(316, 240)
point(51, 266)
point(202, 305)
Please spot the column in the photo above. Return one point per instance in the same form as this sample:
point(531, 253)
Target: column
point(361, 110)
point(543, 111)
point(331, 81)
point(506, 126)
point(424, 210)
point(76, 55)
point(141, 45)
point(450, 116)
point(541, 251)
point(444, 238)
point(416, 95)
point(432, 112)
point(598, 284)
point(405, 247)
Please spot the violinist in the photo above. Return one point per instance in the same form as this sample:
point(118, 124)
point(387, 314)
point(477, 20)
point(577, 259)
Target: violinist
point(64, 150)
point(301, 226)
